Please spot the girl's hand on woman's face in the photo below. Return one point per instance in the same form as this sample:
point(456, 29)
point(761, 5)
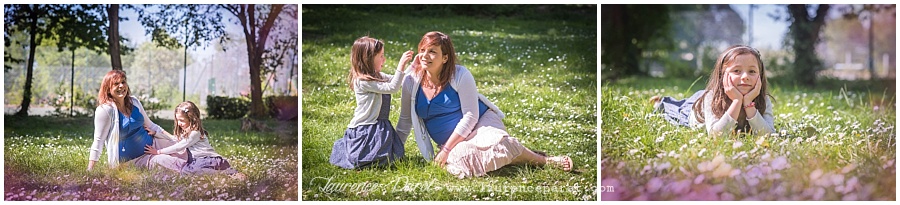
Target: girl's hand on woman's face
point(417, 62)
point(731, 91)
point(405, 59)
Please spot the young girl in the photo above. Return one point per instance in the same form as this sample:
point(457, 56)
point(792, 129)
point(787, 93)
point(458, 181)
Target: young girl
point(370, 139)
point(202, 158)
point(738, 98)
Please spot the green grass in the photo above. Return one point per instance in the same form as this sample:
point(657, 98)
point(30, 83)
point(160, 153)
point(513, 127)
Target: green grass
point(542, 74)
point(45, 158)
point(832, 144)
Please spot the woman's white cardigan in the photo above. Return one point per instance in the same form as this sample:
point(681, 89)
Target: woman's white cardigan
point(106, 131)
point(464, 84)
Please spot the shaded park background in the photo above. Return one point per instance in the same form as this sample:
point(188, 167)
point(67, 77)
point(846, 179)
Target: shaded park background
point(833, 83)
point(171, 53)
point(822, 43)
point(536, 62)
point(57, 54)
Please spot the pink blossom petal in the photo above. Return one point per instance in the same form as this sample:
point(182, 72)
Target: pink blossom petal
point(737, 144)
point(654, 185)
point(722, 171)
point(850, 167)
point(779, 163)
point(815, 175)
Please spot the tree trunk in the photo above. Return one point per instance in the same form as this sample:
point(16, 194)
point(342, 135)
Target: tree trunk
point(256, 43)
point(115, 59)
point(32, 46)
point(805, 34)
point(72, 86)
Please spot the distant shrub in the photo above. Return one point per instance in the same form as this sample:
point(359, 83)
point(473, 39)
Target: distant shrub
point(226, 108)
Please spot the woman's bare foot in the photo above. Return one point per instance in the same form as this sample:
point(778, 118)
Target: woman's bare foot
point(563, 162)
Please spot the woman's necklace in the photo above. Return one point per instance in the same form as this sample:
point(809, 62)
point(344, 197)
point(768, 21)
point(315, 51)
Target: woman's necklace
point(431, 85)
point(434, 88)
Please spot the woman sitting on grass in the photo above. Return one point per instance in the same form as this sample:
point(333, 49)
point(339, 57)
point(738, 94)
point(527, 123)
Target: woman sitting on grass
point(737, 99)
point(440, 100)
point(121, 125)
point(191, 136)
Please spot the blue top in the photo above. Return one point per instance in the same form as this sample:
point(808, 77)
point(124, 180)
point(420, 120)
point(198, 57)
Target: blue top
point(132, 135)
point(442, 113)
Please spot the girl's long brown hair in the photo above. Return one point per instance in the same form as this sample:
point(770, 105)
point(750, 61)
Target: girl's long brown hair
point(362, 60)
point(108, 83)
point(443, 40)
point(715, 88)
point(192, 113)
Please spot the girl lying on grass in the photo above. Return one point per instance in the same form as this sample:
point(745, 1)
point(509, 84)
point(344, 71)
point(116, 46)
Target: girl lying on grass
point(738, 98)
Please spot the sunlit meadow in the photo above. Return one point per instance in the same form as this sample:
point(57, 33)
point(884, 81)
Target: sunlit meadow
point(45, 158)
point(542, 74)
point(831, 144)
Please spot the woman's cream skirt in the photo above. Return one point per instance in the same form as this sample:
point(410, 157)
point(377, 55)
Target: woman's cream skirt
point(489, 147)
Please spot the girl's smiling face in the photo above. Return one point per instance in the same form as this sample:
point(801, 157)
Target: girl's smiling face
point(743, 72)
point(181, 119)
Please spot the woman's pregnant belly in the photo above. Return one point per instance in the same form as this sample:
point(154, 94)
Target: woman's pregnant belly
point(133, 146)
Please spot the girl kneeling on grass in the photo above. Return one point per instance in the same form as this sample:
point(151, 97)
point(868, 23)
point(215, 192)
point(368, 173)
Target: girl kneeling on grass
point(370, 139)
point(202, 158)
point(738, 99)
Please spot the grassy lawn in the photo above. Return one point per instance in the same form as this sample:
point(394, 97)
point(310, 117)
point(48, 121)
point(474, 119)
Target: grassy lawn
point(45, 158)
point(832, 144)
point(541, 73)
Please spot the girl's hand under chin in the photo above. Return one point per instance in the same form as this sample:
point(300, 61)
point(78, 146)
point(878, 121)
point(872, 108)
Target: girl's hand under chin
point(731, 91)
point(753, 93)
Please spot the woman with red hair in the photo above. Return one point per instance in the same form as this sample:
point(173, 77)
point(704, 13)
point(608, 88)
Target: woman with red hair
point(122, 125)
point(441, 102)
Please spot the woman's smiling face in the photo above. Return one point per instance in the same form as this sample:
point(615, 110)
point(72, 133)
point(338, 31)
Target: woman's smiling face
point(433, 59)
point(119, 90)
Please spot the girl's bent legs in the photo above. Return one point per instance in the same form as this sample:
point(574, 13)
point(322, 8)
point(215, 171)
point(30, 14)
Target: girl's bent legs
point(167, 161)
point(159, 143)
point(174, 161)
